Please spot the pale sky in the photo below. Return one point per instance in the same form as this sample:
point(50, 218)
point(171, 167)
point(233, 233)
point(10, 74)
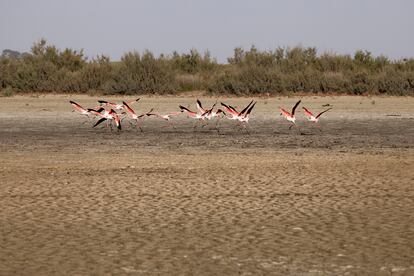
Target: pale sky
point(115, 27)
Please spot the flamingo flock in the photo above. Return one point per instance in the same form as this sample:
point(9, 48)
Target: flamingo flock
point(112, 114)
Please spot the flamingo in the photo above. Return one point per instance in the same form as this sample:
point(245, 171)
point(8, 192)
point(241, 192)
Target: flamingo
point(206, 112)
point(166, 117)
point(245, 117)
point(213, 114)
point(200, 107)
point(310, 115)
point(235, 115)
point(116, 106)
point(108, 116)
point(80, 109)
point(290, 116)
point(133, 115)
point(192, 114)
point(210, 115)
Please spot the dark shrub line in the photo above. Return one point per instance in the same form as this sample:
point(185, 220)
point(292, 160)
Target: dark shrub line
point(248, 72)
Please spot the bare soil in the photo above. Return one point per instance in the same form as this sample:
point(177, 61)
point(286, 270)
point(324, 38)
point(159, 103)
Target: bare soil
point(330, 199)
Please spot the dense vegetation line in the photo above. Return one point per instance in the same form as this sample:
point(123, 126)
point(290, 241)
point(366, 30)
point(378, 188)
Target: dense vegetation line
point(248, 72)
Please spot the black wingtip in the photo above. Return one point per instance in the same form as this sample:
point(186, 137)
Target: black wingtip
point(296, 105)
point(98, 122)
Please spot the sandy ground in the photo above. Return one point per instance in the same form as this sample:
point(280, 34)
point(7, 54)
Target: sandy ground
point(80, 201)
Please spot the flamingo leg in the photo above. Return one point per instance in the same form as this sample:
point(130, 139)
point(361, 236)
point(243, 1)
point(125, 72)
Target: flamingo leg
point(246, 127)
point(196, 124)
point(300, 131)
point(216, 126)
point(204, 124)
point(137, 125)
point(319, 127)
point(237, 125)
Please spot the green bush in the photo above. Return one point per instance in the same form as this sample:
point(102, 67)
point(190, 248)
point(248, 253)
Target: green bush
point(249, 80)
point(7, 92)
point(248, 72)
point(141, 74)
point(391, 82)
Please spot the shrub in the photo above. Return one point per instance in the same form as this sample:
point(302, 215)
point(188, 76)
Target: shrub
point(141, 74)
point(7, 92)
point(252, 71)
point(250, 80)
point(192, 62)
point(391, 82)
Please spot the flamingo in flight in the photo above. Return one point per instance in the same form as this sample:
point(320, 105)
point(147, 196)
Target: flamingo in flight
point(200, 107)
point(80, 109)
point(116, 106)
point(312, 117)
point(290, 116)
point(133, 114)
point(213, 114)
point(166, 117)
point(108, 116)
point(243, 116)
point(235, 115)
point(192, 114)
point(207, 113)
point(210, 114)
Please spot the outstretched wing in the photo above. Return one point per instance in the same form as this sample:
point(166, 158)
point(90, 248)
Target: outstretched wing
point(96, 112)
point(129, 109)
point(307, 112)
point(78, 106)
point(284, 112)
point(187, 110)
point(229, 109)
point(131, 102)
point(100, 121)
point(174, 113)
point(250, 109)
point(317, 116)
point(146, 114)
point(200, 107)
point(246, 108)
point(294, 108)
